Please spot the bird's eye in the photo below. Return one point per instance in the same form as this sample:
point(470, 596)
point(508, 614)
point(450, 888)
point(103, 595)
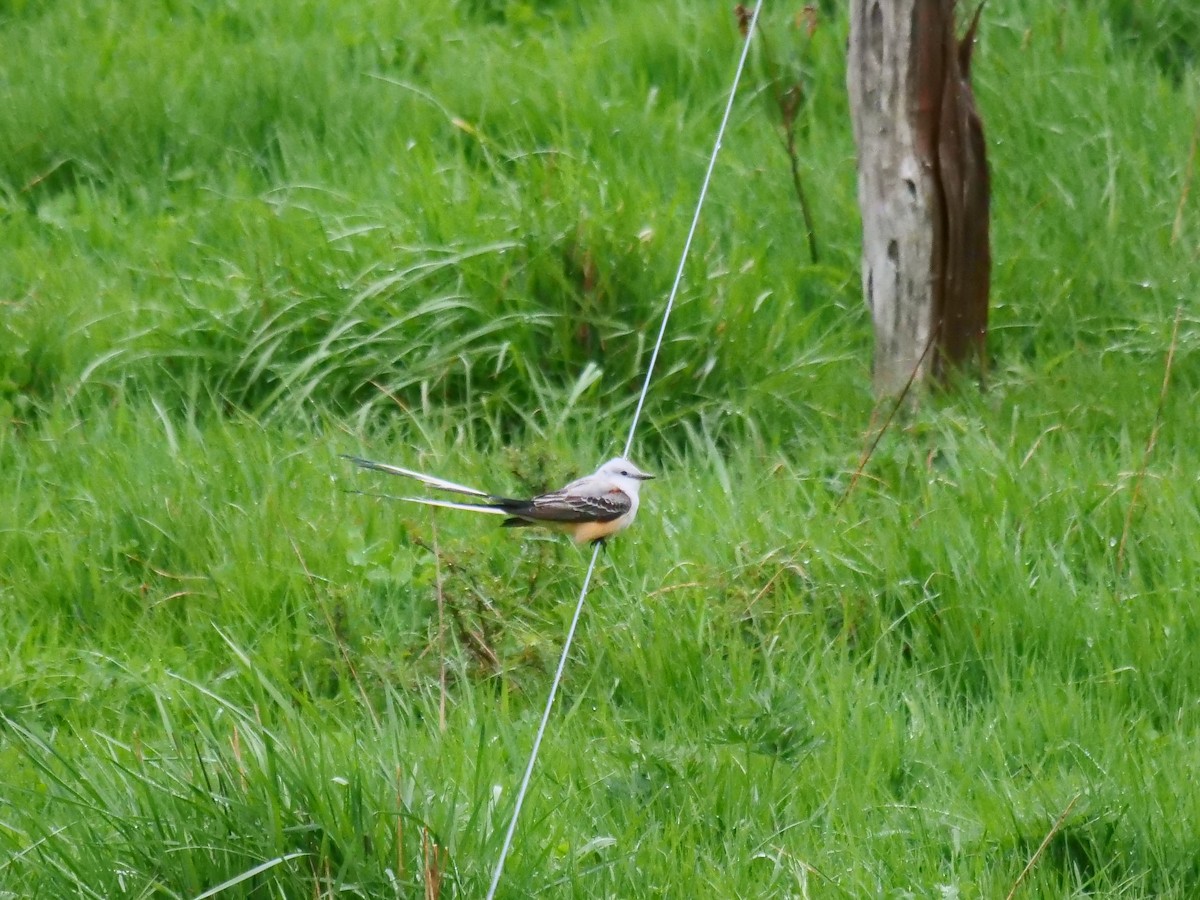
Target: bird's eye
point(623, 472)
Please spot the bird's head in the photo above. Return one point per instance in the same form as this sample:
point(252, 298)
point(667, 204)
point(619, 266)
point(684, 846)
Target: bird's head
point(625, 473)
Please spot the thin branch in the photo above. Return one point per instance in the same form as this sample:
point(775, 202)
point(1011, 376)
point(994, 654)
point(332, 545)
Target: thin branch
point(788, 101)
point(870, 450)
point(805, 210)
point(1042, 847)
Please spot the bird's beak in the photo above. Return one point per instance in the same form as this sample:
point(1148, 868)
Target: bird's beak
point(645, 477)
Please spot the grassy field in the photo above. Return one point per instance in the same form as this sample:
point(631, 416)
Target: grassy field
point(240, 239)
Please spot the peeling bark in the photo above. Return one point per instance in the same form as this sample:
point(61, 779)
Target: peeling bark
point(966, 189)
point(923, 188)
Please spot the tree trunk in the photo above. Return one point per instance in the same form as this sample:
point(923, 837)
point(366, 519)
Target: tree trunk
point(922, 188)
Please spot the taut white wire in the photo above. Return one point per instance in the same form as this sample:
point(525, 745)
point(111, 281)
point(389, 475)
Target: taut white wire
point(637, 414)
point(687, 244)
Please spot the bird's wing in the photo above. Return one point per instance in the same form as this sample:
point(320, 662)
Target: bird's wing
point(574, 503)
point(429, 480)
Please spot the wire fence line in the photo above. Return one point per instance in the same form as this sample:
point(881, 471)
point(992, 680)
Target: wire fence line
point(523, 790)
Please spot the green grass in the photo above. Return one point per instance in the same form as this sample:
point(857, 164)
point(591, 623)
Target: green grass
point(240, 239)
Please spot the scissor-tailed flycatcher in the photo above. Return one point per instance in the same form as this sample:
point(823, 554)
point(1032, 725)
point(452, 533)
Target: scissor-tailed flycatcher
point(589, 509)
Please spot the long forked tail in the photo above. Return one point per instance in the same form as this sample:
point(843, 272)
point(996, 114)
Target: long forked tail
point(494, 509)
point(498, 506)
point(440, 484)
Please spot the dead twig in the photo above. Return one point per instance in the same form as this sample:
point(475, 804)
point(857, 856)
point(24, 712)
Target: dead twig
point(869, 451)
point(788, 101)
point(433, 863)
point(1042, 847)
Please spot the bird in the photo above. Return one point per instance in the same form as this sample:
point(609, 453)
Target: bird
point(590, 509)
